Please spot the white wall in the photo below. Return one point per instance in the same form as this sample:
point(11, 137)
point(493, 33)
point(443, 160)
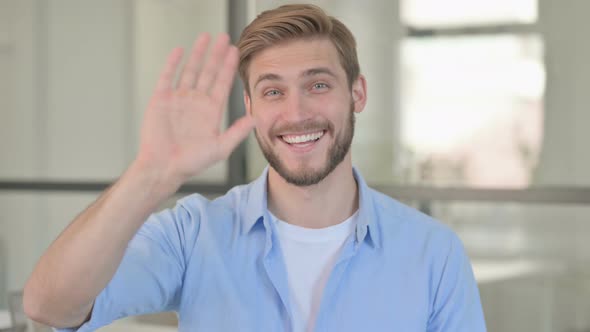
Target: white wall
point(87, 87)
point(19, 137)
point(566, 156)
point(18, 125)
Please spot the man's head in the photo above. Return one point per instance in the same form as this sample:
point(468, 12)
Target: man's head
point(292, 22)
point(302, 85)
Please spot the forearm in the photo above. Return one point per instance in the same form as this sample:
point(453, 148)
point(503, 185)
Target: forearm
point(84, 258)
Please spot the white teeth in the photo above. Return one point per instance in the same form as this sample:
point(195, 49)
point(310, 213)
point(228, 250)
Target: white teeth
point(291, 139)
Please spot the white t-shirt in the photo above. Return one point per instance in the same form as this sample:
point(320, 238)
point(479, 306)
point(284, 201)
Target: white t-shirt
point(310, 255)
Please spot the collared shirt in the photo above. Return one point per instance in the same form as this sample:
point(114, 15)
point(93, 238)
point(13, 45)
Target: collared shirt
point(219, 265)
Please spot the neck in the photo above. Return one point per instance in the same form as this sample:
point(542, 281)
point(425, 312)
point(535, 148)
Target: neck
point(330, 202)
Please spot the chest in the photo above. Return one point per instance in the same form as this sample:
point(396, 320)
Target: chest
point(244, 288)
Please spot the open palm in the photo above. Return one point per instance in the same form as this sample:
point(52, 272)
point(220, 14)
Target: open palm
point(180, 134)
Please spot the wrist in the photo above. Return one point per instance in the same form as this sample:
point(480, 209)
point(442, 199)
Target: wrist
point(153, 181)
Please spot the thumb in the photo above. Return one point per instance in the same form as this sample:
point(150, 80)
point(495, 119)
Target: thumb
point(235, 134)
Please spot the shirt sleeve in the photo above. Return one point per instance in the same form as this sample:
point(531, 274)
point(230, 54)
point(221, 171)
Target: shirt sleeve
point(149, 278)
point(457, 305)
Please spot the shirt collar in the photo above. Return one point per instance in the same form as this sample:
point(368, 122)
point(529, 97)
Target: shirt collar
point(256, 207)
point(367, 229)
point(368, 220)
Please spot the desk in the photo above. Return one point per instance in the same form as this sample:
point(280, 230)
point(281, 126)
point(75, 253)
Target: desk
point(5, 321)
point(129, 325)
point(488, 271)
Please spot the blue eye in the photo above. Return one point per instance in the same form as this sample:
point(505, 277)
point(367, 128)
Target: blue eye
point(320, 86)
point(272, 93)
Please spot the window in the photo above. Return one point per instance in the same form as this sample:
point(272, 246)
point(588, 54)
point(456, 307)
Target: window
point(449, 13)
point(471, 103)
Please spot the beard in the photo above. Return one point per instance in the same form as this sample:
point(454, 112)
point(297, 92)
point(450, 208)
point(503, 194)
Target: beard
point(304, 175)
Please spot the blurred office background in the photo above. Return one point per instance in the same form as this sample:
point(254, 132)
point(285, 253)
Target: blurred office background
point(478, 114)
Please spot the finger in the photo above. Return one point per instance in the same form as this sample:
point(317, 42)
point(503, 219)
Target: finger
point(235, 134)
point(211, 68)
point(223, 83)
point(169, 70)
point(190, 71)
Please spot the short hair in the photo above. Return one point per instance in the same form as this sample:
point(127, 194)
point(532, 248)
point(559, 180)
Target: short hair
point(292, 22)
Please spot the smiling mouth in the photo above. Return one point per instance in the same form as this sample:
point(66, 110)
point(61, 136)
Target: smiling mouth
point(302, 139)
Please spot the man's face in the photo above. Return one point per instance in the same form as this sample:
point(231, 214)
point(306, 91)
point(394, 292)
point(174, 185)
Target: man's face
point(304, 108)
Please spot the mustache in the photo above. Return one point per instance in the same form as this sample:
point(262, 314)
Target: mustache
point(303, 126)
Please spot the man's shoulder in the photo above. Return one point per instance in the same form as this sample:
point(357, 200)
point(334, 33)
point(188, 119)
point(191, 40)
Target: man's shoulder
point(205, 200)
point(216, 208)
point(397, 218)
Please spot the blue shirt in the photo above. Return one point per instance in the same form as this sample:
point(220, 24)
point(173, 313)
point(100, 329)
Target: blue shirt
point(219, 265)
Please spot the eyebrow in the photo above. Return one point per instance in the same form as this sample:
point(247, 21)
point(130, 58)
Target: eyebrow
point(309, 72)
point(317, 71)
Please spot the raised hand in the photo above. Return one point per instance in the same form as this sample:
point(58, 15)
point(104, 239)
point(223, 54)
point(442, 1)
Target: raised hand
point(180, 134)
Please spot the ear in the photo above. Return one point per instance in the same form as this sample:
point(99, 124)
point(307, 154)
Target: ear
point(359, 93)
point(247, 103)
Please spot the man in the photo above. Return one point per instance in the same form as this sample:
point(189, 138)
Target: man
point(306, 247)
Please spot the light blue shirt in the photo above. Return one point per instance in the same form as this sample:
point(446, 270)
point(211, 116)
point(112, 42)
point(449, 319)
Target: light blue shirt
point(219, 265)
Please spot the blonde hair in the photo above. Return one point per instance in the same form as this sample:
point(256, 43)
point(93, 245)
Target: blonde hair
point(291, 22)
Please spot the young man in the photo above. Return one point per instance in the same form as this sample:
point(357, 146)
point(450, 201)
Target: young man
point(306, 247)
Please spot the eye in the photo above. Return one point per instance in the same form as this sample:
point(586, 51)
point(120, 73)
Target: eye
point(319, 86)
point(272, 93)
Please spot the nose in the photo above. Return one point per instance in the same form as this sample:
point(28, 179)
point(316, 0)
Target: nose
point(296, 109)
